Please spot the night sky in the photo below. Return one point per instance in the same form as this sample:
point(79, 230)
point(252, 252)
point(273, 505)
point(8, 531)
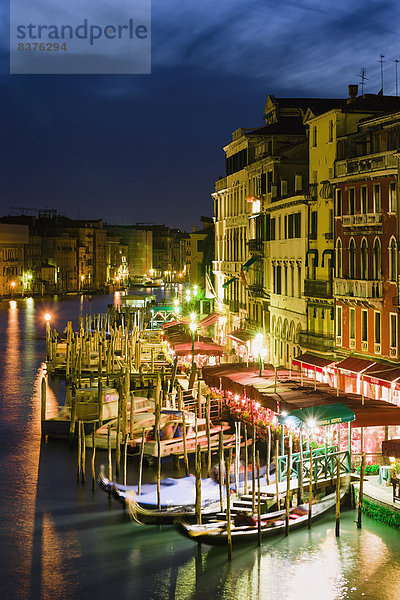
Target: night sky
point(149, 147)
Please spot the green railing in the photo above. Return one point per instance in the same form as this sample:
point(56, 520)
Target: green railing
point(324, 464)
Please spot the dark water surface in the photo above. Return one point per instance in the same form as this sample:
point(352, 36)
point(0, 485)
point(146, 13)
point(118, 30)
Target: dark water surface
point(60, 540)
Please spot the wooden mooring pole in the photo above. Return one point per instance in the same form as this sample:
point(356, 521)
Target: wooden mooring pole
point(109, 453)
point(93, 457)
point(228, 461)
point(220, 465)
point(185, 454)
point(43, 402)
point(361, 491)
point(288, 470)
point(259, 499)
point(278, 503)
point(310, 495)
point(337, 529)
point(246, 459)
point(83, 453)
point(141, 463)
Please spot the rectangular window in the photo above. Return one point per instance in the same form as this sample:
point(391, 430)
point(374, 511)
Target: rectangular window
point(338, 193)
point(330, 135)
point(364, 205)
point(272, 229)
point(393, 331)
point(377, 327)
point(284, 188)
point(298, 182)
point(392, 197)
point(269, 181)
point(352, 201)
point(292, 280)
point(297, 225)
point(299, 282)
point(290, 226)
point(331, 226)
point(279, 229)
point(364, 326)
point(278, 280)
point(285, 225)
point(314, 137)
point(377, 198)
point(314, 225)
point(352, 323)
point(339, 321)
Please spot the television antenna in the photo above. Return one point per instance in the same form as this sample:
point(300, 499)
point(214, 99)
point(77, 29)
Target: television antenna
point(382, 56)
point(396, 60)
point(363, 79)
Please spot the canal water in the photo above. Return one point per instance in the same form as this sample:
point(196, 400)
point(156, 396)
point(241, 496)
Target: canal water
point(61, 540)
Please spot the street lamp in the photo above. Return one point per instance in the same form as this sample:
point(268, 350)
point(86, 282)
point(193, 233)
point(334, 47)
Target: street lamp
point(12, 287)
point(193, 328)
point(259, 350)
point(176, 305)
point(47, 318)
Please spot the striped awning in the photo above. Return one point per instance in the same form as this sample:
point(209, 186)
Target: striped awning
point(250, 262)
point(225, 285)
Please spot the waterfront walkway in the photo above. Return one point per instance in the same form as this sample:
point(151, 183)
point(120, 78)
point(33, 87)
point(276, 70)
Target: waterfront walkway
point(379, 494)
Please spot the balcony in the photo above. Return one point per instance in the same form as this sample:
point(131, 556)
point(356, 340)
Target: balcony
point(315, 341)
point(364, 164)
point(318, 288)
point(358, 288)
point(369, 219)
point(221, 184)
point(256, 290)
point(255, 246)
point(313, 190)
point(234, 306)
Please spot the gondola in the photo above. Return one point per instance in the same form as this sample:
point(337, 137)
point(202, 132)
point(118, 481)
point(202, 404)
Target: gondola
point(272, 524)
point(177, 498)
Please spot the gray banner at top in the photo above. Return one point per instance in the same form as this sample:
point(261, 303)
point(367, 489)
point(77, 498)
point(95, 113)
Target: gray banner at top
point(80, 37)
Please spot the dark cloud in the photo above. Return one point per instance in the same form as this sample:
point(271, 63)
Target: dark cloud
point(135, 148)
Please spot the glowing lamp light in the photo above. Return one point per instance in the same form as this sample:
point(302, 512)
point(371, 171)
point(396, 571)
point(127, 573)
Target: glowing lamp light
point(47, 317)
point(284, 414)
point(13, 284)
point(236, 397)
point(195, 290)
point(176, 302)
point(312, 423)
point(193, 326)
point(192, 316)
point(188, 295)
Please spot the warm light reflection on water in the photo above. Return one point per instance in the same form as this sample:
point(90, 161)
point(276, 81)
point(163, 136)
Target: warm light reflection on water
point(59, 540)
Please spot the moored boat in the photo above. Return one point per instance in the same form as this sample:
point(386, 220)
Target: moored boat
point(272, 524)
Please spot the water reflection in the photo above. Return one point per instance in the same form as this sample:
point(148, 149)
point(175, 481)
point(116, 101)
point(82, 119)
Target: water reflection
point(59, 540)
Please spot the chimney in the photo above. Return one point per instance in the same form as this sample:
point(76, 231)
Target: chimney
point(353, 89)
point(194, 228)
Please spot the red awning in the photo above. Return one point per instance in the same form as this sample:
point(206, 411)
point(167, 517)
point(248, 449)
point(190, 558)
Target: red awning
point(206, 348)
point(380, 374)
point(354, 365)
point(170, 324)
point(308, 359)
point(209, 320)
point(391, 448)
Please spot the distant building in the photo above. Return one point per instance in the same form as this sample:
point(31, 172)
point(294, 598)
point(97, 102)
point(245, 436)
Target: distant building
point(139, 242)
point(13, 239)
point(202, 245)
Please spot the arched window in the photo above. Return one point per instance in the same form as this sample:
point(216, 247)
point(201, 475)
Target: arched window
point(339, 258)
point(393, 260)
point(364, 259)
point(352, 259)
point(377, 259)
